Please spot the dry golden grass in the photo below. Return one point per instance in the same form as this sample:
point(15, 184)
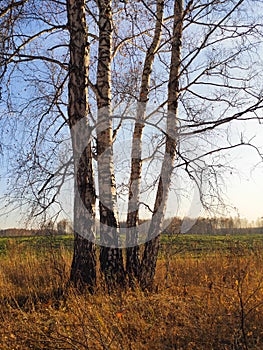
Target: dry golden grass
point(210, 302)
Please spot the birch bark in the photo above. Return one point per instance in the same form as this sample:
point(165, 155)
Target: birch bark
point(111, 259)
point(132, 255)
point(148, 264)
point(83, 268)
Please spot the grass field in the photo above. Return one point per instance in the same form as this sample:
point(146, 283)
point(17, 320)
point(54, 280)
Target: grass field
point(179, 244)
point(208, 296)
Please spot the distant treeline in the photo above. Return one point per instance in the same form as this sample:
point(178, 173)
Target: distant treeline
point(63, 227)
point(206, 226)
point(213, 226)
point(20, 232)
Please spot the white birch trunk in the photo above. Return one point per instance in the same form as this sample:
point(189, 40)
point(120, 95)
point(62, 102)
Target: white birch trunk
point(150, 255)
point(83, 268)
point(132, 259)
point(110, 258)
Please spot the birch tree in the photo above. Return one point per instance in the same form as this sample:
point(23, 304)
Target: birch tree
point(83, 269)
point(117, 98)
point(110, 256)
point(132, 259)
point(152, 245)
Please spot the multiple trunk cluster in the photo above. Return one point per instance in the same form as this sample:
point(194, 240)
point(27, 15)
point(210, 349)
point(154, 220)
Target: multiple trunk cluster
point(111, 256)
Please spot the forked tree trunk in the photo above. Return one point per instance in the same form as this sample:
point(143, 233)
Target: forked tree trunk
point(148, 264)
point(132, 252)
point(83, 268)
point(111, 259)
